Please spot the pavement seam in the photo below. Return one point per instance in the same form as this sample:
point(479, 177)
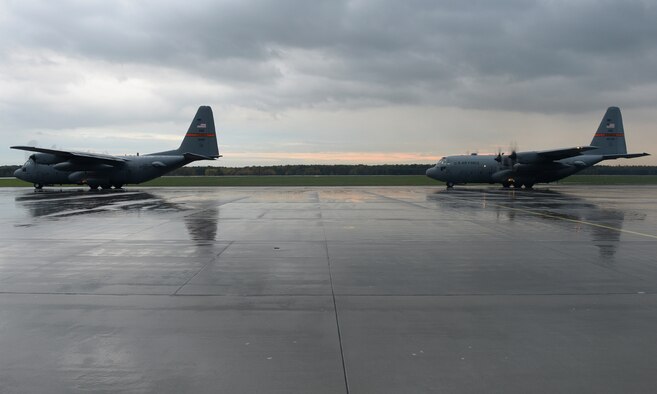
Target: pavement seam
point(175, 293)
point(335, 304)
point(610, 294)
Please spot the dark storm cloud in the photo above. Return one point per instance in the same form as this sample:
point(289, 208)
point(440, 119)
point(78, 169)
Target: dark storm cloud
point(543, 56)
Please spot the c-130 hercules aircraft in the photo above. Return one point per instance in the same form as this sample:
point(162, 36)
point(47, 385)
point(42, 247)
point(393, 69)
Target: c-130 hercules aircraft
point(50, 166)
point(527, 168)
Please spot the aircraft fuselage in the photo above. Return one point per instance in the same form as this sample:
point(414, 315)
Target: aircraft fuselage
point(42, 169)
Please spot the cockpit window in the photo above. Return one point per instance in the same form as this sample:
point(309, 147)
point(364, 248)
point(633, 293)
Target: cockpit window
point(442, 161)
point(29, 161)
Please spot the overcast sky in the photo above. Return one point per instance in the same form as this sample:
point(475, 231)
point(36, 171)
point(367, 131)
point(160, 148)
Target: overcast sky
point(326, 81)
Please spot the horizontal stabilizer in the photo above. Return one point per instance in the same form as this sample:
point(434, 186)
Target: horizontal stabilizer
point(625, 156)
point(193, 157)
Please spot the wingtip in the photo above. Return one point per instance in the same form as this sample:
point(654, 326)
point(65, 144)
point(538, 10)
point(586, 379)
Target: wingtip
point(22, 147)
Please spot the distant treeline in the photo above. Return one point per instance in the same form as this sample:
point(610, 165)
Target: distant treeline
point(338, 169)
point(346, 169)
point(8, 170)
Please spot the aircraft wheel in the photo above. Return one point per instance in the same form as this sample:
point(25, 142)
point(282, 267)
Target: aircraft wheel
point(93, 187)
point(517, 185)
point(38, 186)
point(120, 185)
point(506, 185)
point(450, 185)
point(529, 185)
point(105, 187)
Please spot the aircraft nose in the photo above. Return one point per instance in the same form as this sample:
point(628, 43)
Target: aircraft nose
point(17, 173)
point(435, 173)
point(431, 172)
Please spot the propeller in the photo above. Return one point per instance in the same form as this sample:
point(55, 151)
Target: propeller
point(498, 158)
point(513, 147)
point(508, 160)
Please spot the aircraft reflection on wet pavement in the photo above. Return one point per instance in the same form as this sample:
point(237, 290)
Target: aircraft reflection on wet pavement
point(604, 224)
point(78, 202)
point(201, 225)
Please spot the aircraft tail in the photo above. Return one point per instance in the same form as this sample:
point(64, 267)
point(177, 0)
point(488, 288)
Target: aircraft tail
point(201, 137)
point(200, 142)
point(610, 136)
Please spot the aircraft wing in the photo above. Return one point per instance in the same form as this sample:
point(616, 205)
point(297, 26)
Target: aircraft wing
point(76, 156)
point(548, 156)
point(558, 154)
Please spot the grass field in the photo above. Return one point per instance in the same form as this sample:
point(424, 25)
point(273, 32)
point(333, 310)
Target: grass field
point(349, 180)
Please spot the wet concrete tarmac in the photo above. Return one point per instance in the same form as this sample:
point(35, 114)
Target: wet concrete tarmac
point(360, 290)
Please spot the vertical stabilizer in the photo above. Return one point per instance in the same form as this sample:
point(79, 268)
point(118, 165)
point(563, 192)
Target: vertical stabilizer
point(610, 136)
point(201, 138)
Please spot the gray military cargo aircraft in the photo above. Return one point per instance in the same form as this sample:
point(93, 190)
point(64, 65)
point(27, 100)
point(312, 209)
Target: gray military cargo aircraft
point(520, 169)
point(50, 166)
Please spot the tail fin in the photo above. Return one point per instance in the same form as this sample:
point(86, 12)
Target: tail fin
point(201, 137)
point(610, 137)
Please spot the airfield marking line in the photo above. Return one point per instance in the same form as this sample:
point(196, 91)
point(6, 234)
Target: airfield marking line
point(547, 215)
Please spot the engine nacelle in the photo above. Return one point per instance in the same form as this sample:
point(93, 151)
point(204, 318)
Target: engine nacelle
point(528, 158)
point(47, 158)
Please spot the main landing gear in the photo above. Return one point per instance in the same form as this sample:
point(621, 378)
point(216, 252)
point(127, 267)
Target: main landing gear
point(517, 185)
point(450, 185)
point(38, 186)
